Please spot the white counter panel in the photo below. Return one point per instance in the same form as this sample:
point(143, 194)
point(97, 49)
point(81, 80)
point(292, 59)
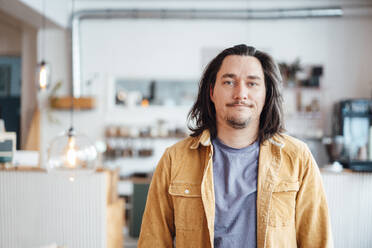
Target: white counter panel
point(349, 197)
point(37, 209)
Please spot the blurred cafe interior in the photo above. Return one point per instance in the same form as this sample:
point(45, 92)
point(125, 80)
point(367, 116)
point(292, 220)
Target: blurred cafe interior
point(92, 92)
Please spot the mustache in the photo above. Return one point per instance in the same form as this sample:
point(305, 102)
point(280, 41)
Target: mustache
point(243, 103)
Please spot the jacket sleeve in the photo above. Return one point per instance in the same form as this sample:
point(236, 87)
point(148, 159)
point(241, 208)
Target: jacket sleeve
point(313, 228)
point(157, 229)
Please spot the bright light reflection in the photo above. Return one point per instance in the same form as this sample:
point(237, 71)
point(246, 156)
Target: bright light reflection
point(71, 154)
point(43, 77)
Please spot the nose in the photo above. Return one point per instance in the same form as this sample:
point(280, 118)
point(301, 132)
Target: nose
point(240, 91)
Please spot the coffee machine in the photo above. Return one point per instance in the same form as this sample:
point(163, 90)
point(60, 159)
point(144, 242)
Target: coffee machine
point(353, 122)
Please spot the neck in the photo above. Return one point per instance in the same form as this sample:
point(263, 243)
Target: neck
point(237, 138)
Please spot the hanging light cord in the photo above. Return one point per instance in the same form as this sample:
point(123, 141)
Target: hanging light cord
point(71, 130)
point(43, 22)
point(72, 113)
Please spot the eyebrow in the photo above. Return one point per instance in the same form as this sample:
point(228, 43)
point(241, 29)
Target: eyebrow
point(232, 75)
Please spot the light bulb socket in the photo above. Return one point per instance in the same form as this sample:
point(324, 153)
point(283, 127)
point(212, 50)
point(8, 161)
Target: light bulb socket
point(43, 75)
point(71, 132)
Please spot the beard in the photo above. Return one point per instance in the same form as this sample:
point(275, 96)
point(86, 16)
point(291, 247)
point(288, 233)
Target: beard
point(237, 123)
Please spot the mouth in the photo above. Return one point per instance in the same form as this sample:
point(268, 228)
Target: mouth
point(239, 105)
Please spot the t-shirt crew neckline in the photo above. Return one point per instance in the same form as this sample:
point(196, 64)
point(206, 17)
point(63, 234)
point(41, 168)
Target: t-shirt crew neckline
point(227, 148)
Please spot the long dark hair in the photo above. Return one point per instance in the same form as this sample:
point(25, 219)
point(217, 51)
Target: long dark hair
point(203, 114)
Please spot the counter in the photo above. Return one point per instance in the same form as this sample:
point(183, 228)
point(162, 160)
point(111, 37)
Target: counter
point(350, 206)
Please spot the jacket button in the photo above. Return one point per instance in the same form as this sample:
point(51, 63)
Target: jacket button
point(187, 191)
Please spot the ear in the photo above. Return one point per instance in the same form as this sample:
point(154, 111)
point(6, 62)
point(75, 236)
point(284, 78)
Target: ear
point(211, 93)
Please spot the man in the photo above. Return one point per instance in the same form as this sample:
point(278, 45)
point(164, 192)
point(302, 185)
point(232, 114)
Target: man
point(238, 181)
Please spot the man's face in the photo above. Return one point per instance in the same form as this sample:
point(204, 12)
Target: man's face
point(239, 91)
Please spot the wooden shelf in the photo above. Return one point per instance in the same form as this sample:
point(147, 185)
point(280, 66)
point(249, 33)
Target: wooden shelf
point(65, 103)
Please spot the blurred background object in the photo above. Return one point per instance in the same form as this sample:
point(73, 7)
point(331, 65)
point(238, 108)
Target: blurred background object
point(353, 122)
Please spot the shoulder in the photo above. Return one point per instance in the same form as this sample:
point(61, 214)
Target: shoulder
point(183, 145)
point(293, 155)
point(185, 161)
point(174, 154)
point(296, 152)
point(292, 147)
point(292, 144)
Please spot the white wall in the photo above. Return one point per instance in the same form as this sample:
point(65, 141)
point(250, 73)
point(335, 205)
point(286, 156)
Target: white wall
point(173, 48)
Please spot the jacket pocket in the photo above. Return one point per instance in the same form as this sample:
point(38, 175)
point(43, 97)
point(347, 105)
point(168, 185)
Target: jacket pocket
point(283, 203)
point(188, 206)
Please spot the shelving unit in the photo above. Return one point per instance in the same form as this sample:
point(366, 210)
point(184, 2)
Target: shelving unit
point(303, 112)
point(136, 154)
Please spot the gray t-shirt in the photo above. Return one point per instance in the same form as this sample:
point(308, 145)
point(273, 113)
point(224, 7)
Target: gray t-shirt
point(235, 187)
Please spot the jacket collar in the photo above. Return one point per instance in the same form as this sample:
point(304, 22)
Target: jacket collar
point(204, 139)
point(277, 140)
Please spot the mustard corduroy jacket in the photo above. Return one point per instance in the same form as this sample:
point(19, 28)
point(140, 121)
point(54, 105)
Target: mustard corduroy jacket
point(292, 209)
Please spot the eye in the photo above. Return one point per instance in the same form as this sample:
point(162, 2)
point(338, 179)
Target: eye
point(251, 84)
point(228, 82)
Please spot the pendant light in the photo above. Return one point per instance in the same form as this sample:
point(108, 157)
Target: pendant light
point(71, 153)
point(43, 69)
point(43, 73)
